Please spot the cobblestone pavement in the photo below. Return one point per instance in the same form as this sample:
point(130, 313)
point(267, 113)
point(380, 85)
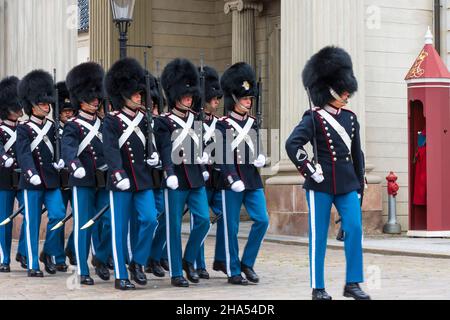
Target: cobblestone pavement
point(284, 274)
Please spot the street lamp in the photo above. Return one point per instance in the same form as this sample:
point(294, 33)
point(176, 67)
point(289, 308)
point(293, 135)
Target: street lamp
point(122, 11)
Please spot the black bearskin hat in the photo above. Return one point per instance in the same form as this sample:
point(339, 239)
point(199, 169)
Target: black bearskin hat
point(125, 78)
point(212, 86)
point(85, 83)
point(180, 78)
point(36, 87)
point(63, 96)
point(9, 100)
point(331, 67)
point(238, 80)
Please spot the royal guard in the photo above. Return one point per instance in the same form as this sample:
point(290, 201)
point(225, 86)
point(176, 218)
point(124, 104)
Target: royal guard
point(216, 183)
point(179, 144)
point(242, 159)
point(66, 112)
point(39, 181)
point(336, 173)
point(10, 112)
point(129, 161)
point(82, 150)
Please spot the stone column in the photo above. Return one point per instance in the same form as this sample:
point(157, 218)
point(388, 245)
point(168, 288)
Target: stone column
point(243, 34)
point(2, 39)
point(306, 27)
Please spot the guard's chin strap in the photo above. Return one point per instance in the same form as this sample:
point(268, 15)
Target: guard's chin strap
point(90, 105)
point(181, 107)
point(43, 111)
point(236, 101)
point(131, 104)
point(337, 97)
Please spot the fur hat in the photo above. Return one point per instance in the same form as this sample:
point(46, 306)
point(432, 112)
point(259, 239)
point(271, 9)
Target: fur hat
point(212, 86)
point(180, 78)
point(154, 90)
point(9, 100)
point(36, 87)
point(125, 78)
point(331, 67)
point(85, 83)
point(238, 80)
point(63, 96)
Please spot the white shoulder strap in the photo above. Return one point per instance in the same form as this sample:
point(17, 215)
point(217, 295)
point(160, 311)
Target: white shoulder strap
point(11, 140)
point(337, 126)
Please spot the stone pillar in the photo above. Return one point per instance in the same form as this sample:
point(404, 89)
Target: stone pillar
point(306, 27)
point(2, 39)
point(243, 34)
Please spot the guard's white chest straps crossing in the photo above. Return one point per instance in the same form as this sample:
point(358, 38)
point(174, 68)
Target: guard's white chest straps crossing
point(338, 128)
point(11, 140)
point(186, 130)
point(41, 135)
point(93, 132)
point(242, 134)
point(210, 131)
point(133, 126)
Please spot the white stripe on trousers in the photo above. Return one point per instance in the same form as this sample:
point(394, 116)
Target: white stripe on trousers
point(192, 227)
point(166, 199)
point(312, 205)
point(130, 253)
point(75, 228)
point(2, 255)
point(27, 217)
point(225, 226)
point(113, 233)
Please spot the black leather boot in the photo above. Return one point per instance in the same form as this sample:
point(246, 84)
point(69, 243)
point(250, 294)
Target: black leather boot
point(165, 264)
point(101, 270)
point(250, 274)
point(86, 280)
point(238, 280)
point(50, 267)
point(35, 274)
point(110, 264)
point(320, 294)
point(203, 274)
point(124, 285)
point(71, 256)
point(137, 273)
point(353, 290)
point(179, 282)
point(157, 269)
point(4, 268)
point(191, 273)
point(220, 266)
point(22, 260)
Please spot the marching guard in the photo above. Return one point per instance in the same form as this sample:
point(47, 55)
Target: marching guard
point(336, 173)
point(240, 169)
point(39, 180)
point(10, 112)
point(82, 149)
point(179, 145)
point(130, 182)
point(216, 183)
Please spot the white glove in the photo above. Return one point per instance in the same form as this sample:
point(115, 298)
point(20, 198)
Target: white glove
point(153, 160)
point(172, 182)
point(35, 180)
point(319, 169)
point(238, 186)
point(205, 175)
point(260, 162)
point(80, 173)
point(123, 184)
point(317, 177)
point(9, 163)
point(316, 172)
point(60, 165)
point(204, 159)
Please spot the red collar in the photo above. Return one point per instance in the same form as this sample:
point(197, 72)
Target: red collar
point(238, 116)
point(332, 110)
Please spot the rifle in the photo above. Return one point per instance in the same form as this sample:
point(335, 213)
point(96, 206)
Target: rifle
point(149, 110)
point(202, 100)
point(259, 109)
point(57, 121)
point(158, 85)
point(316, 154)
point(106, 104)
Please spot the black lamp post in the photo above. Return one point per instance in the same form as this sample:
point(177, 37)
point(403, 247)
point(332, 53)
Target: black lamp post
point(122, 11)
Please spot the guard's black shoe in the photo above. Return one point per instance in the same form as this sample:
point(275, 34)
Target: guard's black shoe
point(156, 268)
point(93, 261)
point(353, 290)
point(165, 264)
point(124, 285)
point(110, 264)
point(35, 274)
point(191, 273)
point(320, 294)
point(102, 270)
point(86, 280)
point(50, 267)
point(62, 267)
point(71, 256)
point(203, 274)
point(179, 282)
point(23, 260)
point(220, 266)
point(4, 268)
point(137, 274)
point(239, 280)
point(250, 274)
